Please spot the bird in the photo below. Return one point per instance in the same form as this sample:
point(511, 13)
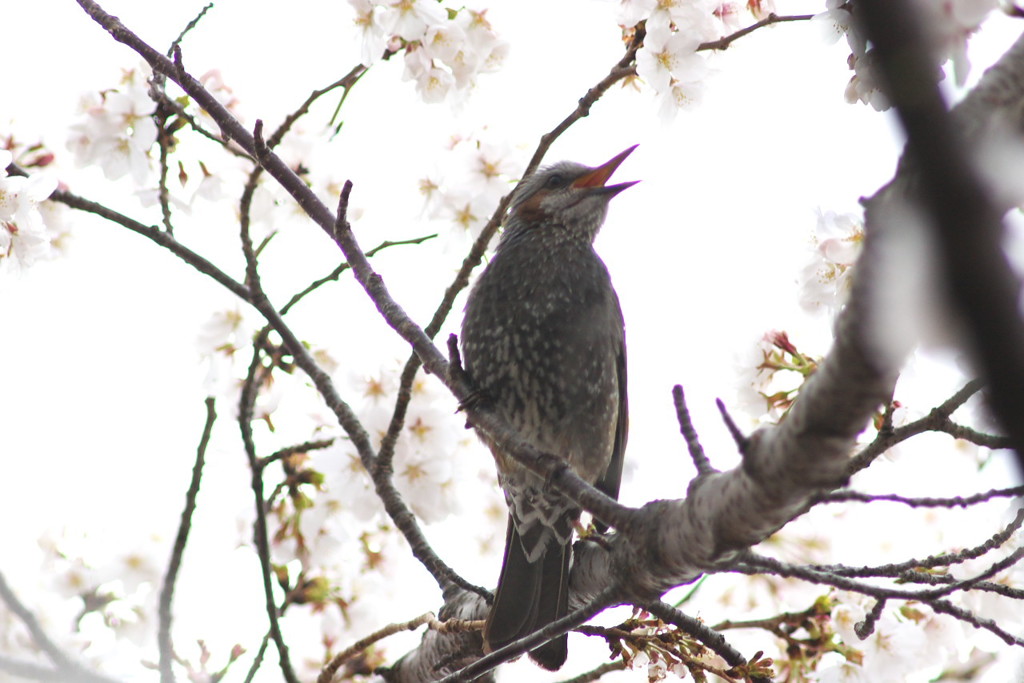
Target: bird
point(543, 344)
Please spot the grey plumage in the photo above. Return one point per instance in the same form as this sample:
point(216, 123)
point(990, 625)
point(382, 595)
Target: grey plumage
point(544, 344)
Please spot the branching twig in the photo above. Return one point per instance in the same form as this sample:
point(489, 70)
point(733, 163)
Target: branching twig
point(843, 496)
point(335, 274)
point(897, 570)
point(163, 239)
point(247, 400)
point(66, 667)
point(966, 616)
point(937, 419)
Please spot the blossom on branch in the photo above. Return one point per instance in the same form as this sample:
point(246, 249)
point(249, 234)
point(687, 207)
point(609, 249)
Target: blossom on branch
point(475, 174)
point(24, 236)
point(116, 129)
point(444, 48)
point(948, 25)
point(826, 279)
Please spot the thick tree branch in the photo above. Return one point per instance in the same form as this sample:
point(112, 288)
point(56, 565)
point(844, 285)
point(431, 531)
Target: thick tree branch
point(963, 216)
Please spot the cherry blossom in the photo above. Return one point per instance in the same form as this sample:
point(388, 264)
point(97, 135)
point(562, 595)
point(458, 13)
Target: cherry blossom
point(116, 130)
point(24, 237)
point(433, 83)
point(825, 280)
point(368, 22)
point(949, 25)
point(906, 638)
point(409, 19)
point(471, 177)
point(444, 49)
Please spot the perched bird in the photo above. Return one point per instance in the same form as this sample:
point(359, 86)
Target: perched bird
point(543, 342)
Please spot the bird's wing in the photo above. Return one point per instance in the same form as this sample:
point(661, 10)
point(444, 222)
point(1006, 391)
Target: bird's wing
point(612, 477)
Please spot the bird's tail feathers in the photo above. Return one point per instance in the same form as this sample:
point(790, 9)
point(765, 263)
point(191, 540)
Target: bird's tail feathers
point(530, 596)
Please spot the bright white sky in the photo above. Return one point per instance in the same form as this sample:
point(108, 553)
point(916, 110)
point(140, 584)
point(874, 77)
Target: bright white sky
point(101, 399)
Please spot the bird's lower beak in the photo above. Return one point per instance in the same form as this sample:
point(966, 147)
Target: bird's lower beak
point(600, 175)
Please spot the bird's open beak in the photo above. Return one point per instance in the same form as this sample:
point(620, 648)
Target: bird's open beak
point(600, 175)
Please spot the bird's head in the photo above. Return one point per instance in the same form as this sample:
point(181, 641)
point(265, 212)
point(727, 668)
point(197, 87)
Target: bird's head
point(566, 197)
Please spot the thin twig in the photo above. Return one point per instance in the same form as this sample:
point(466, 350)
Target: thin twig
point(297, 449)
point(723, 43)
point(335, 274)
point(189, 26)
point(937, 419)
point(700, 460)
point(865, 628)
point(162, 115)
point(327, 673)
point(899, 569)
point(167, 590)
point(257, 660)
point(739, 438)
point(753, 563)
point(163, 239)
point(844, 496)
point(966, 616)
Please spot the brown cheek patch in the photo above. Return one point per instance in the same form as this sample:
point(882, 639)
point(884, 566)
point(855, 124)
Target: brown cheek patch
point(531, 212)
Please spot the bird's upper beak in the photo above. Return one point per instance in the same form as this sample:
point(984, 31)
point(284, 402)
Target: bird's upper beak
point(599, 176)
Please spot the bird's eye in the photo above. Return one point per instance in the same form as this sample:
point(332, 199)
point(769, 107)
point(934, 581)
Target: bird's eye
point(554, 182)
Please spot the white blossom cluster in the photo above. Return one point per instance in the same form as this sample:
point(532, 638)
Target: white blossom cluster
point(826, 278)
point(763, 392)
point(906, 639)
point(30, 227)
point(116, 130)
point(949, 24)
point(465, 186)
point(440, 472)
point(444, 49)
point(668, 61)
point(108, 596)
point(434, 457)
